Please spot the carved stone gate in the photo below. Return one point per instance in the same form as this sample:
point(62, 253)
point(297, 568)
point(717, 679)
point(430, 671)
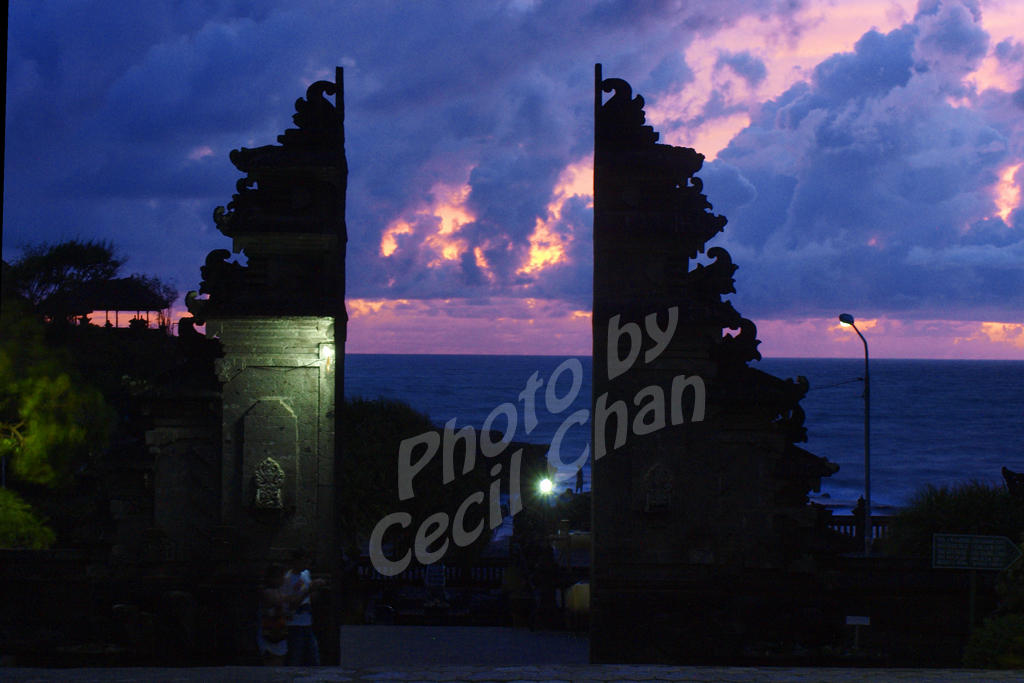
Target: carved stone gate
point(701, 522)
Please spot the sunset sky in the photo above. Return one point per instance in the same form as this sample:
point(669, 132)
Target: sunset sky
point(869, 155)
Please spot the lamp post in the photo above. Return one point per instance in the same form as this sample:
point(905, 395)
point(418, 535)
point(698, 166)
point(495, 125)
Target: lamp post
point(847, 319)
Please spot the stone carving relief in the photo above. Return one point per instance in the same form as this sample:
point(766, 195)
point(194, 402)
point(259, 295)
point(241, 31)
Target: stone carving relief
point(658, 487)
point(288, 217)
point(269, 483)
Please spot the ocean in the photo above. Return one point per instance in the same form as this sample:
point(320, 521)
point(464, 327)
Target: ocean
point(939, 422)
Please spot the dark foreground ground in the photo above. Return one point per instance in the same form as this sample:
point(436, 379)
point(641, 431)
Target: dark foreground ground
point(413, 653)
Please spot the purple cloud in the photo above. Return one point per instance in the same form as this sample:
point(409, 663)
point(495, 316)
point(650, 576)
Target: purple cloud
point(872, 190)
point(747, 66)
point(120, 120)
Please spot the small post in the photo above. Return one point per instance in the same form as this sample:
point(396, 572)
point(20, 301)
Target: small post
point(856, 622)
point(972, 609)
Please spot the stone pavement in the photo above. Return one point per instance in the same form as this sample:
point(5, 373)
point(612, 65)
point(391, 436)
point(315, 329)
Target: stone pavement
point(507, 673)
point(369, 646)
point(423, 653)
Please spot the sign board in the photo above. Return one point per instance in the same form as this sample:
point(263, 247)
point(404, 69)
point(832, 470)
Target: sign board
point(971, 551)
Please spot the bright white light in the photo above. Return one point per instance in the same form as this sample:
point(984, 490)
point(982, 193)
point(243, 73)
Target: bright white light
point(327, 355)
point(546, 486)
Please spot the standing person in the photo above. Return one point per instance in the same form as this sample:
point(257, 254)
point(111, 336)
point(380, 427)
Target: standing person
point(303, 650)
point(272, 636)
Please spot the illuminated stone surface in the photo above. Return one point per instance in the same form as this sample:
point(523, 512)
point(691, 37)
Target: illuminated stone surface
point(280, 320)
point(278, 401)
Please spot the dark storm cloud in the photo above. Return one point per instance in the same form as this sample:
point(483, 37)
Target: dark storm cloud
point(951, 42)
point(672, 73)
point(120, 119)
point(877, 65)
point(868, 189)
point(1009, 51)
point(503, 121)
point(744, 64)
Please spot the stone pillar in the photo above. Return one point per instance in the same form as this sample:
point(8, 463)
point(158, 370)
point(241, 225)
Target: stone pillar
point(277, 476)
point(698, 493)
point(280, 320)
point(184, 442)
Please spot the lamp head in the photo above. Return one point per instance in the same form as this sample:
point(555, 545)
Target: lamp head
point(845, 319)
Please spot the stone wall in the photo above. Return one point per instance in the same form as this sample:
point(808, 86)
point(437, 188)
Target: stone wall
point(277, 469)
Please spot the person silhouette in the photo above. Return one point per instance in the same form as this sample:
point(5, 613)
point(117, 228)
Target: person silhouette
point(272, 634)
point(303, 648)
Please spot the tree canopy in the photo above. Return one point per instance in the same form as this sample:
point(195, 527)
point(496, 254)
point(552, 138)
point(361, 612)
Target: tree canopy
point(76, 277)
point(45, 270)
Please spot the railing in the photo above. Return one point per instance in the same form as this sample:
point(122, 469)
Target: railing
point(490, 572)
point(484, 573)
point(850, 525)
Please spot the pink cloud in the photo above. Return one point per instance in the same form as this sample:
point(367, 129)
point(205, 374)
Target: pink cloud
point(200, 152)
point(790, 47)
point(509, 326)
point(892, 338)
point(543, 327)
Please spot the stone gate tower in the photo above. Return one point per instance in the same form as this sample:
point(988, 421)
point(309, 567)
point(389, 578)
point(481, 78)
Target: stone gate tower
point(281, 320)
point(703, 539)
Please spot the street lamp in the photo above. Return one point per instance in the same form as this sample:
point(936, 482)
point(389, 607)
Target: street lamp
point(847, 319)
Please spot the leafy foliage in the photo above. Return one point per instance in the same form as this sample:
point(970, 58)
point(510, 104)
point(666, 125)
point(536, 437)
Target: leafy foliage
point(19, 526)
point(997, 644)
point(48, 420)
point(971, 508)
point(1010, 586)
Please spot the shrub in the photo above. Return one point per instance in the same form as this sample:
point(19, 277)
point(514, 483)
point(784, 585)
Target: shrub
point(20, 527)
point(998, 644)
point(971, 508)
point(372, 431)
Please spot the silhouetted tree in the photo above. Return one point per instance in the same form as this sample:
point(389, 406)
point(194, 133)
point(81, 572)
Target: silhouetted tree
point(75, 277)
point(163, 291)
point(46, 270)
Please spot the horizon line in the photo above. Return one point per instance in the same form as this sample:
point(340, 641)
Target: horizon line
point(578, 355)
